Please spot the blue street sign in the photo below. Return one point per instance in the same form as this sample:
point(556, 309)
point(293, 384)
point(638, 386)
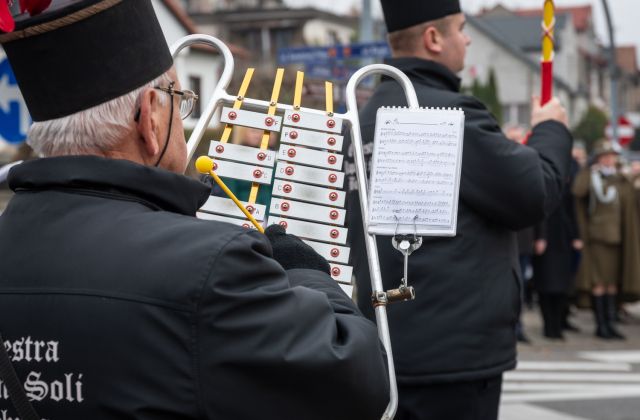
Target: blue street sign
point(314, 55)
point(14, 116)
point(337, 73)
point(315, 71)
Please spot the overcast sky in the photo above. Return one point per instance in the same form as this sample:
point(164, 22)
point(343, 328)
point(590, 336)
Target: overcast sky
point(625, 13)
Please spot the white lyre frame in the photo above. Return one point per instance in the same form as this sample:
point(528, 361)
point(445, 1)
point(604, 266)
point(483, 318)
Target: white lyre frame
point(221, 97)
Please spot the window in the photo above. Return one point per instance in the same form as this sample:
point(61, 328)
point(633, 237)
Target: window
point(506, 113)
point(195, 85)
point(283, 38)
point(524, 114)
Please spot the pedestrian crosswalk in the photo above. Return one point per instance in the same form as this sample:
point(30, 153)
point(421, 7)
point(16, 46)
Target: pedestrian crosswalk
point(536, 382)
point(581, 378)
point(570, 381)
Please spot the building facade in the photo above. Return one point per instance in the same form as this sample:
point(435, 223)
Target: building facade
point(508, 41)
point(263, 27)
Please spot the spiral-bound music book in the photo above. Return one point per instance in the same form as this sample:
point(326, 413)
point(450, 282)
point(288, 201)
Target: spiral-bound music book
point(415, 174)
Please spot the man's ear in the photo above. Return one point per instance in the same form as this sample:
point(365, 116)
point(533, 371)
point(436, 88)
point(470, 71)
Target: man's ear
point(432, 40)
point(147, 122)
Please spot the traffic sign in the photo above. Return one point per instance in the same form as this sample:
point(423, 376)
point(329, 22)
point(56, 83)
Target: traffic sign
point(336, 73)
point(315, 55)
point(14, 115)
point(626, 131)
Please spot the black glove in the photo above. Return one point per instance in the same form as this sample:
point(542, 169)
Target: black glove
point(292, 253)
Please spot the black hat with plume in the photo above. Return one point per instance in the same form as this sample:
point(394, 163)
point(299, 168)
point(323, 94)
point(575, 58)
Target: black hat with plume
point(77, 54)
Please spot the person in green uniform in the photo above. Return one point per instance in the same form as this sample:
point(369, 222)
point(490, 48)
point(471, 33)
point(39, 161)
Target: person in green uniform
point(607, 217)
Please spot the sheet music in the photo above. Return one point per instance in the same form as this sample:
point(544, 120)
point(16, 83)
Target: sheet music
point(415, 176)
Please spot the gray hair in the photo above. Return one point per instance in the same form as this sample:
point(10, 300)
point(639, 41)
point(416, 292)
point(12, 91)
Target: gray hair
point(96, 129)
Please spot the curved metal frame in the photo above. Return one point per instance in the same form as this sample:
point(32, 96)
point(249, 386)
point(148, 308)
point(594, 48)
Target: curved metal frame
point(370, 240)
point(220, 96)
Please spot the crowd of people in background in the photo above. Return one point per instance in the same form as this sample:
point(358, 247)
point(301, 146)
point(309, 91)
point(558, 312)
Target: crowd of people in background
point(587, 253)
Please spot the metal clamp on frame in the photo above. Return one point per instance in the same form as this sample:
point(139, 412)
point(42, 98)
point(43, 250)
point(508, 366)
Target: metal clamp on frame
point(405, 244)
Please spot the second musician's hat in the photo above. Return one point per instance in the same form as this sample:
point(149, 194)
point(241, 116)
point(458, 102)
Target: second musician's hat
point(405, 14)
point(72, 55)
point(605, 147)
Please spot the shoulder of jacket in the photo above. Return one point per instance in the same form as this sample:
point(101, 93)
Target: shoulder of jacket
point(195, 235)
point(461, 100)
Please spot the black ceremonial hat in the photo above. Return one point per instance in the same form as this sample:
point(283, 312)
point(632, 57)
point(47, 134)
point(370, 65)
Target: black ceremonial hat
point(399, 14)
point(81, 53)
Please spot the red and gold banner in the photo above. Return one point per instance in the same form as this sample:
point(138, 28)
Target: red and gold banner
point(548, 41)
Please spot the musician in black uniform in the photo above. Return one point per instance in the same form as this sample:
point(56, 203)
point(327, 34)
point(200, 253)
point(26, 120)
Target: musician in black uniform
point(452, 344)
point(115, 301)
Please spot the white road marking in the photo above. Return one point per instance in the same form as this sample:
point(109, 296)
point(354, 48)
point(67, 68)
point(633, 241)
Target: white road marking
point(569, 381)
point(530, 412)
point(600, 394)
point(580, 366)
point(611, 356)
point(570, 386)
point(573, 376)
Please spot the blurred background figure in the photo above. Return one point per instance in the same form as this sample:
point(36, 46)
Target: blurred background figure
point(579, 154)
point(608, 220)
point(634, 171)
point(555, 241)
point(518, 134)
point(525, 253)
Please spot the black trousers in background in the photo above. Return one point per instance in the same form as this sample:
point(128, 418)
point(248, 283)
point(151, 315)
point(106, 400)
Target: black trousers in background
point(553, 307)
point(475, 400)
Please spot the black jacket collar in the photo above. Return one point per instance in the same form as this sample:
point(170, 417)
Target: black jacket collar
point(152, 186)
point(427, 72)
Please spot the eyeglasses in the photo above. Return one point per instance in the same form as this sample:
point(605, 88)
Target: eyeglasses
point(187, 99)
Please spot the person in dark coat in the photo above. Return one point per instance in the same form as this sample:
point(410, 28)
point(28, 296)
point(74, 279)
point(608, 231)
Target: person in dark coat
point(115, 301)
point(556, 239)
point(454, 341)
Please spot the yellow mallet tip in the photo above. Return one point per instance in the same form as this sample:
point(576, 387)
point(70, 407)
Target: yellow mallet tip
point(204, 164)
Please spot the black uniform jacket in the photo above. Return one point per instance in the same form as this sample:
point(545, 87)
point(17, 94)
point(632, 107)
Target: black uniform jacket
point(462, 324)
point(116, 303)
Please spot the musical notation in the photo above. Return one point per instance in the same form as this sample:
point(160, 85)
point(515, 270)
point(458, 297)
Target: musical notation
point(416, 170)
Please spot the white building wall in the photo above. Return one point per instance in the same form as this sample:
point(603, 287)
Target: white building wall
point(171, 27)
point(566, 60)
point(515, 79)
